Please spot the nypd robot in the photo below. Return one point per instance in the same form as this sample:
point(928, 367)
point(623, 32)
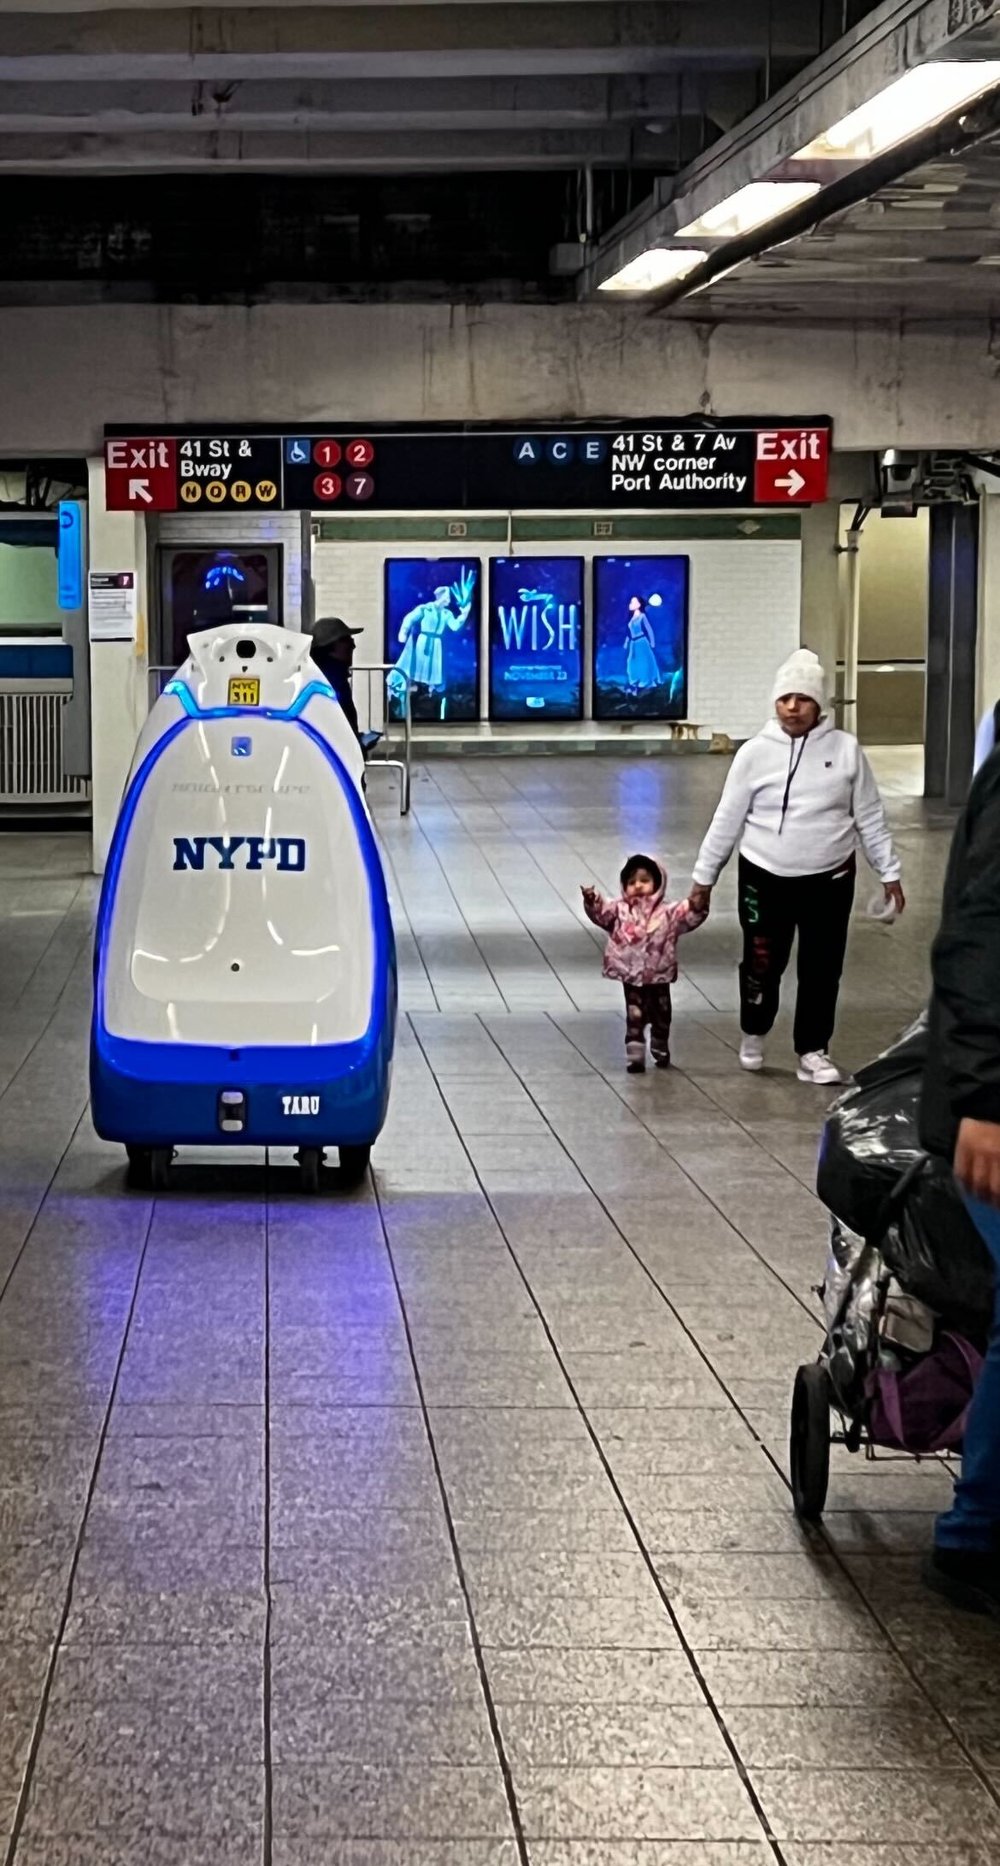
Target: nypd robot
point(245, 971)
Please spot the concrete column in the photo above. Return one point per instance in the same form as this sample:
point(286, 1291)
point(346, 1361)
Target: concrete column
point(117, 668)
point(851, 625)
point(988, 667)
point(951, 650)
point(820, 592)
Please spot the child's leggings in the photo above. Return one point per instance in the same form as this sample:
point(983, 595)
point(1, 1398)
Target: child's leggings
point(647, 1004)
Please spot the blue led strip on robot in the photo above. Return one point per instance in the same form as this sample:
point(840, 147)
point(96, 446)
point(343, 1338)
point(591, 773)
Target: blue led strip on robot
point(315, 690)
point(201, 1062)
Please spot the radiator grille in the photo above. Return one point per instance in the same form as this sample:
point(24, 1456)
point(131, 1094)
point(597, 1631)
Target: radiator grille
point(31, 762)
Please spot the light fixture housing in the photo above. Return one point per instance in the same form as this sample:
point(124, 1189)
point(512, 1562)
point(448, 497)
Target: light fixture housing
point(750, 207)
point(659, 265)
point(920, 98)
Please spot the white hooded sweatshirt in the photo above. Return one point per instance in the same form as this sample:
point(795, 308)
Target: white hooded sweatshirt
point(799, 807)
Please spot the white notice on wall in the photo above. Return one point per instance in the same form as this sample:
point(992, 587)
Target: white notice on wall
point(113, 605)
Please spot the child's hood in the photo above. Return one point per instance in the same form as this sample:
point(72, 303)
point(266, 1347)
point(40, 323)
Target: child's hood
point(656, 899)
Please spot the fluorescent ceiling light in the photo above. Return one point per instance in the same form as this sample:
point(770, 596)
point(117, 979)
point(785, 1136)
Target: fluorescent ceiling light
point(716, 277)
point(912, 103)
point(660, 265)
point(748, 208)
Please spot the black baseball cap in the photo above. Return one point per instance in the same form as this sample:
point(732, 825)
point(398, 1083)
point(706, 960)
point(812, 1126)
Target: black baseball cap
point(331, 629)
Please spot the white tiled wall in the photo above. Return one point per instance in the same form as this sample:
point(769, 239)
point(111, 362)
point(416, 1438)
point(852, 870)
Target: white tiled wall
point(745, 620)
point(744, 610)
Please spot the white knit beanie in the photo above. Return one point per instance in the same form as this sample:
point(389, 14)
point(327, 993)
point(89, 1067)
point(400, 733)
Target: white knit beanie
point(801, 673)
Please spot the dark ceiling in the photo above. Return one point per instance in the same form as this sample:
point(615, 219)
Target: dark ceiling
point(357, 151)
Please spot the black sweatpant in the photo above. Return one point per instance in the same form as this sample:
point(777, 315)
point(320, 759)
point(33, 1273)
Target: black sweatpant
point(647, 1004)
point(773, 909)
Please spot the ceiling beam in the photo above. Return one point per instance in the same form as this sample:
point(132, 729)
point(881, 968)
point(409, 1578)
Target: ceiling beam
point(430, 103)
point(404, 40)
point(396, 152)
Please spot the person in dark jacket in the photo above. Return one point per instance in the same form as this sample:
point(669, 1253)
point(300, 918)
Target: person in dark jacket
point(987, 736)
point(333, 652)
point(960, 1120)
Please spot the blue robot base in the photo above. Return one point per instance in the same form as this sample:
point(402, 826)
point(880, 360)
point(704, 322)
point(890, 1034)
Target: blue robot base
point(163, 1095)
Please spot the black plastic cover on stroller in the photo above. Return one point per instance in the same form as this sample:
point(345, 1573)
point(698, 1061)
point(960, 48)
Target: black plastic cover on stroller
point(869, 1142)
point(905, 1262)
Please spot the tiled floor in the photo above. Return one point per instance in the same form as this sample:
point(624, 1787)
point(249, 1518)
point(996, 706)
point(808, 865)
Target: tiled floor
point(447, 1525)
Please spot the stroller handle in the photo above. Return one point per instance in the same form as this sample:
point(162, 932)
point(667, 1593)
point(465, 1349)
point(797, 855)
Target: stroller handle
point(894, 1199)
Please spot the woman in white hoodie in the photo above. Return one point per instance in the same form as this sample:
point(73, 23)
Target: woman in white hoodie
point(799, 799)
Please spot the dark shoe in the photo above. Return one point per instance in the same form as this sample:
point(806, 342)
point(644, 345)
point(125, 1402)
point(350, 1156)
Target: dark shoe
point(636, 1069)
point(662, 1062)
point(966, 1578)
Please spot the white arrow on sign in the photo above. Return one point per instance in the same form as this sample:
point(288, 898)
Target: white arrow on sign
point(792, 483)
point(139, 489)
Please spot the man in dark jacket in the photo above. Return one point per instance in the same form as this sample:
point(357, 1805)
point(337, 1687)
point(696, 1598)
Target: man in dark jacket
point(960, 1120)
point(333, 652)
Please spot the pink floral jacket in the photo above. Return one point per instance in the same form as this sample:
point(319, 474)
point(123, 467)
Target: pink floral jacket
point(642, 948)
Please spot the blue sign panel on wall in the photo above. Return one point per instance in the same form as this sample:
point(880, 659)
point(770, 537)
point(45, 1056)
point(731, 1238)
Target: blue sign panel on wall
point(70, 554)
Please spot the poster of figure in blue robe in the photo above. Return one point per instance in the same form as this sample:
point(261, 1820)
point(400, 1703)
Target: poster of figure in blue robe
point(536, 633)
point(640, 637)
point(432, 637)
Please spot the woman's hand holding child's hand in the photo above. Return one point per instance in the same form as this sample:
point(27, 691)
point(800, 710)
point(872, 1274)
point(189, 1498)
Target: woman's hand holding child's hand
point(700, 899)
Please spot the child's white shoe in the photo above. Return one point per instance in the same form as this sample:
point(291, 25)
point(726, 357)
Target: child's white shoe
point(815, 1066)
point(752, 1054)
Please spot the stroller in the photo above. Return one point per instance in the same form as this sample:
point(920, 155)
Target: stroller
point(908, 1291)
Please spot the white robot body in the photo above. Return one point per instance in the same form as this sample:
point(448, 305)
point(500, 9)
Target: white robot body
point(245, 967)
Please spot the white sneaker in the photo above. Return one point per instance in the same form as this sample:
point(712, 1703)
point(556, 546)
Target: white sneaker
point(752, 1054)
point(815, 1066)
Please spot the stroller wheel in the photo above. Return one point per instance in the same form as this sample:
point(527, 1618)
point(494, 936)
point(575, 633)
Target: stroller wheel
point(810, 1442)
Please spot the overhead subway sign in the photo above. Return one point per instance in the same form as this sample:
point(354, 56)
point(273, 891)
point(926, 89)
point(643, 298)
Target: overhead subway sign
point(769, 466)
point(659, 465)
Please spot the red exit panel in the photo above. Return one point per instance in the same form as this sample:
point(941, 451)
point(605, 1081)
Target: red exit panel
point(792, 466)
point(140, 474)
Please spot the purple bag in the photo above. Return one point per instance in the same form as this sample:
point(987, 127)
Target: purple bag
point(924, 1408)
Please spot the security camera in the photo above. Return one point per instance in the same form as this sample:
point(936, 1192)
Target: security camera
point(899, 480)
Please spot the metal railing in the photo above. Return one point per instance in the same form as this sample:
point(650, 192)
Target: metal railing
point(391, 748)
point(31, 751)
point(156, 680)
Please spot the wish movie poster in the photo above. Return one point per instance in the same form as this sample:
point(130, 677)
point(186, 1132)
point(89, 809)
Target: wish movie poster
point(640, 637)
point(536, 633)
point(432, 637)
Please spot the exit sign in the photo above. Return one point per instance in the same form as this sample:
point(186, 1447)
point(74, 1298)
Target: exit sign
point(792, 466)
point(140, 474)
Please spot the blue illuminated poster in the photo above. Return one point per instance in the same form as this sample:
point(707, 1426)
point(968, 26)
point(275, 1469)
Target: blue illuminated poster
point(432, 636)
point(536, 623)
point(640, 637)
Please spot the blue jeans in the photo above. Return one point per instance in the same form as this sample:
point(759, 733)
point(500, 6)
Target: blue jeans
point(973, 1523)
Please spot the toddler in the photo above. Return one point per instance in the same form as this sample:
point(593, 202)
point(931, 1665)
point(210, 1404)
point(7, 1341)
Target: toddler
point(642, 953)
